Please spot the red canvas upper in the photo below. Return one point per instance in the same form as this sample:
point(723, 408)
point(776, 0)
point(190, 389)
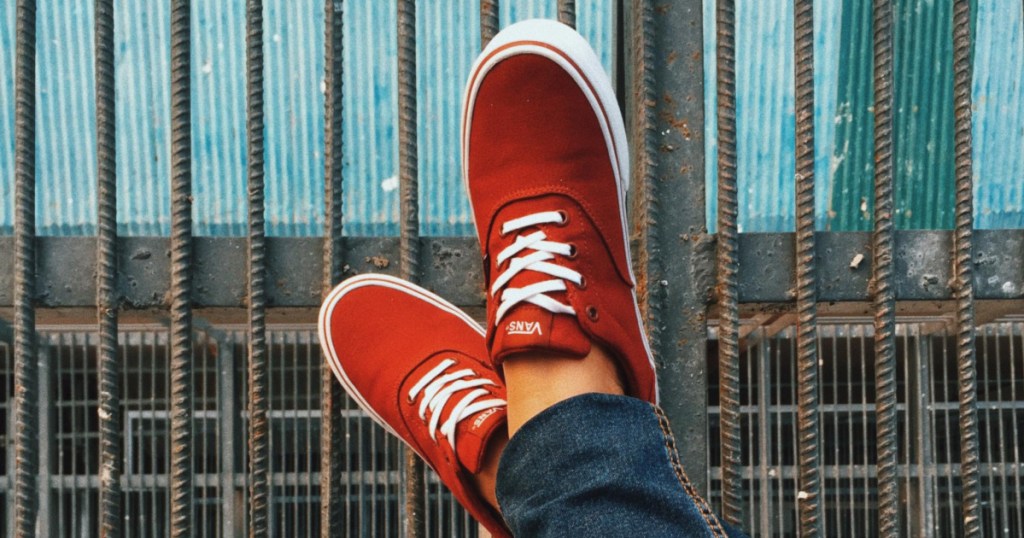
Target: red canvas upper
point(382, 337)
point(534, 143)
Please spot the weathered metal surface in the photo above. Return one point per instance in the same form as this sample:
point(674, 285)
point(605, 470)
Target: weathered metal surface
point(963, 269)
point(883, 296)
point(409, 227)
point(451, 267)
point(258, 401)
point(675, 271)
point(109, 376)
point(808, 423)
point(182, 265)
point(332, 442)
point(488, 21)
point(567, 12)
point(26, 367)
point(727, 266)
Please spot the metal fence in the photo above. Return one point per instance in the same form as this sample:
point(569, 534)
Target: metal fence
point(191, 405)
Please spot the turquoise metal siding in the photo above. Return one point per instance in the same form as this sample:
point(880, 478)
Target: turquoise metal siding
point(449, 39)
point(844, 122)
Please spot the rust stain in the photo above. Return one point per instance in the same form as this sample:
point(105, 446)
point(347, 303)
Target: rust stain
point(380, 262)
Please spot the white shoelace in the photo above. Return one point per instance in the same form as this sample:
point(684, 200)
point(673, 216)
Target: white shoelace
point(437, 389)
point(539, 260)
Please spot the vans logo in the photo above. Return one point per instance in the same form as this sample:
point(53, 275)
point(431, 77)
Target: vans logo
point(524, 327)
point(483, 416)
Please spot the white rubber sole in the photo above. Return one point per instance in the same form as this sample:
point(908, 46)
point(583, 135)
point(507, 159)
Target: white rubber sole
point(569, 50)
point(384, 281)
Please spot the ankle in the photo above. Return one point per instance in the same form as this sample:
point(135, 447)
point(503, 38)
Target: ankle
point(536, 382)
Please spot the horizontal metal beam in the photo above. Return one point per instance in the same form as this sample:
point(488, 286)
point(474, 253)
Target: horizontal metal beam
point(451, 267)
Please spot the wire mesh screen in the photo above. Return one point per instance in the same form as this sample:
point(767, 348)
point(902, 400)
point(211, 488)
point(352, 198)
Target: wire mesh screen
point(927, 406)
point(372, 481)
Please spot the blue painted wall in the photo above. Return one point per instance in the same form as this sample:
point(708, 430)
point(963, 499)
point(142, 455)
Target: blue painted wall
point(449, 39)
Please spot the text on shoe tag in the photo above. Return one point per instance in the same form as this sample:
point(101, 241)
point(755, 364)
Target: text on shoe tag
point(483, 417)
point(524, 327)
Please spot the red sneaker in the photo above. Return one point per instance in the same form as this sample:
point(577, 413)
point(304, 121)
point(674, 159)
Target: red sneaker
point(417, 366)
point(545, 160)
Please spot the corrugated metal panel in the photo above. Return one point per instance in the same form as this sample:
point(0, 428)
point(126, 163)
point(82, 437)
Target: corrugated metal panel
point(765, 109)
point(449, 40)
point(6, 117)
point(844, 122)
point(999, 113)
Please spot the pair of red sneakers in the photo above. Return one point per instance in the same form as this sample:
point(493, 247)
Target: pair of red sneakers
point(545, 161)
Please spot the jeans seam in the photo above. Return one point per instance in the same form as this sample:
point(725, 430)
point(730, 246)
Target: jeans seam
point(673, 455)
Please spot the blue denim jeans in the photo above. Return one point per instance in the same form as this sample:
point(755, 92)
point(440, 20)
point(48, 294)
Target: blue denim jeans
point(600, 465)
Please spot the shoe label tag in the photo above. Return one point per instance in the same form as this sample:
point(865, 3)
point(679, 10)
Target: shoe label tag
point(484, 416)
point(524, 327)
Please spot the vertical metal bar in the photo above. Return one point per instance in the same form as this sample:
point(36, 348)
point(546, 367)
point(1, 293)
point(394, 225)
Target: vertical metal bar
point(674, 264)
point(46, 441)
point(259, 426)
point(488, 21)
point(409, 223)
point(764, 435)
point(921, 399)
point(332, 501)
point(883, 294)
point(227, 436)
point(728, 266)
point(111, 449)
point(963, 270)
point(26, 367)
point(809, 496)
point(181, 272)
point(567, 12)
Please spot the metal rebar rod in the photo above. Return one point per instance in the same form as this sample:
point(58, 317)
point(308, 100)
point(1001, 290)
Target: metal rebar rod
point(26, 366)
point(567, 12)
point(181, 488)
point(963, 270)
point(644, 163)
point(883, 293)
point(488, 21)
point(409, 240)
point(728, 267)
point(111, 449)
point(672, 302)
point(332, 501)
point(259, 426)
point(809, 496)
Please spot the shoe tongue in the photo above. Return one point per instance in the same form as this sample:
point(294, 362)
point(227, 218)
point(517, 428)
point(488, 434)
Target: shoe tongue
point(473, 434)
point(527, 328)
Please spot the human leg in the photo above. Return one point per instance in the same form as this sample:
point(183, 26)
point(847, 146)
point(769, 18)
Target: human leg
point(547, 170)
point(417, 366)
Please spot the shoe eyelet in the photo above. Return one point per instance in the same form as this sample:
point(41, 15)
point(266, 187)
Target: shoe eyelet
point(573, 251)
point(565, 217)
point(592, 313)
point(583, 284)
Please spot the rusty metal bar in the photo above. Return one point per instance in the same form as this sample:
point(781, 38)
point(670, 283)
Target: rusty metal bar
point(567, 12)
point(409, 226)
point(488, 21)
point(26, 367)
point(109, 375)
point(674, 267)
point(182, 518)
point(332, 399)
point(883, 293)
point(259, 425)
point(728, 267)
point(964, 272)
point(809, 496)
